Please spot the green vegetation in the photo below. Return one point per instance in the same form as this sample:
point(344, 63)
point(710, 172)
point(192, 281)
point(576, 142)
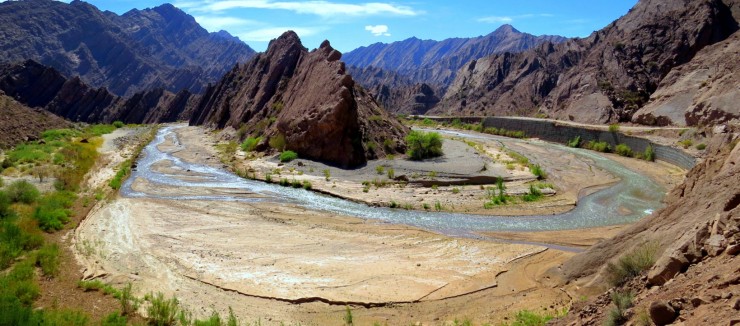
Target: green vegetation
point(437, 206)
point(53, 210)
point(456, 190)
point(632, 264)
point(533, 194)
point(277, 142)
point(307, 185)
point(622, 301)
point(422, 145)
point(22, 191)
point(380, 169)
point(614, 127)
point(537, 170)
point(505, 133)
point(48, 259)
point(288, 156)
point(161, 311)
point(327, 174)
point(599, 146)
point(575, 142)
point(649, 154)
point(391, 173)
point(686, 143)
point(623, 150)
point(118, 124)
point(250, 143)
point(530, 318)
point(348, 319)
point(701, 147)
point(496, 199)
point(123, 172)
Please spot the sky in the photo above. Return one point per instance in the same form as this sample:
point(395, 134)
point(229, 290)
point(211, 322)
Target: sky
point(351, 24)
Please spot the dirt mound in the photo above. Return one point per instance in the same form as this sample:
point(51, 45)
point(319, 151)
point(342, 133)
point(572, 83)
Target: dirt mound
point(20, 123)
point(304, 99)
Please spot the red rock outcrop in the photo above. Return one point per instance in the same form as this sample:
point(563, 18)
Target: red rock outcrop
point(307, 99)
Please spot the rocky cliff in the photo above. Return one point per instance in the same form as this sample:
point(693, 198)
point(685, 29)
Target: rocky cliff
point(305, 98)
point(143, 49)
point(609, 75)
point(20, 123)
point(696, 277)
point(423, 69)
point(39, 86)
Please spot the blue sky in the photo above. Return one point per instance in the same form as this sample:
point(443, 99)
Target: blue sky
point(350, 24)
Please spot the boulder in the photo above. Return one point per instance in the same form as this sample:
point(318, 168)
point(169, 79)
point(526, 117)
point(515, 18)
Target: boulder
point(666, 268)
point(661, 313)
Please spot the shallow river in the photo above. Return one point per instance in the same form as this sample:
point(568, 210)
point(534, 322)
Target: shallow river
point(634, 197)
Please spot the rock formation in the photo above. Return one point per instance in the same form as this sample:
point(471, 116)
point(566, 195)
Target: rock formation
point(38, 86)
point(20, 123)
point(306, 99)
point(140, 50)
point(425, 68)
point(609, 75)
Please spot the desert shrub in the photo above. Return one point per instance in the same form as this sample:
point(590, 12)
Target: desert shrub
point(391, 173)
point(100, 129)
point(614, 127)
point(575, 142)
point(48, 259)
point(65, 317)
point(161, 311)
point(649, 154)
point(307, 185)
point(114, 319)
point(22, 191)
point(5, 202)
point(53, 211)
point(123, 172)
point(437, 206)
point(455, 190)
point(631, 264)
point(495, 199)
point(380, 169)
point(537, 170)
point(622, 301)
point(700, 147)
point(118, 124)
point(277, 142)
point(686, 143)
point(533, 194)
point(623, 150)
point(129, 303)
point(347, 318)
point(250, 143)
point(423, 145)
point(599, 146)
point(530, 318)
point(327, 174)
point(288, 156)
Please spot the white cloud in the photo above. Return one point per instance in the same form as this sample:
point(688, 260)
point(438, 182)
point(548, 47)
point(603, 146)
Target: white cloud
point(378, 30)
point(217, 23)
point(318, 7)
point(269, 33)
point(509, 19)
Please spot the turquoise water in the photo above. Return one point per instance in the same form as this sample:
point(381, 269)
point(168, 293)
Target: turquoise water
point(635, 193)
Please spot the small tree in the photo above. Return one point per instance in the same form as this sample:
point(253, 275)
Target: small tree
point(422, 145)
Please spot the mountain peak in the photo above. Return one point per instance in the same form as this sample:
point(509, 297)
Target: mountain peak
point(506, 28)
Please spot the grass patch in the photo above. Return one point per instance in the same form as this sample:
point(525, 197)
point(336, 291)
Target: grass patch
point(288, 156)
point(599, 146)
point(48, 259)
point(649, 154)
point(686, 143)
point(537, 170)
point(496, 198)
point(123, 171)
point(701, 147)
point(250, 144)
point(622, 301)
point(534, 194)
point(277, 142)
point(422, 145)
point(614, 127)
point(632, 264)
point(53, 210)
point(575, 142)
point(22, 191)
point(380, 169)
point(623, 150)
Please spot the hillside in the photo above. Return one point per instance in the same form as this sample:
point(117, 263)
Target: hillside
point(162, 47)
point(610, 75)
point(20, 123)
point(306, 99)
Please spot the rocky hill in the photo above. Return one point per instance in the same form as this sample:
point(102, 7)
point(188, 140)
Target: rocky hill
point(160, 47)
point(425, 68)
point(305, 99)
point(39, 86)
point(696, 276)
point(21, 123)
point(610, 75)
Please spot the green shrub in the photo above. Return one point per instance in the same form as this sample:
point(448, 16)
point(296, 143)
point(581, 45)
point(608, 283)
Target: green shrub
point(48, 259)
point(622, 301)
point(494, 198)
point(277, 142)
point(533, 194)
point(599, 146)
point(686, 143)
point(123, 172)
point(288, 156)
point(422, 145)
point(649, 154)
point(575, 142)
point(161, 311)
point(118, 124)
point(537, 170)
point(114, 319)
point(437, 206)
point(631, 264)
point(327, 174)
point(53, 211)
point(22, 191)
point(613, 127)
point(5, 202)
point(65, 317)
point(530, 318)
point(307, 185)
point(380, 169)
point(623, 150)
point(391, 173)
point(251, 143)
point(700, 147)
point(129, 303)
point(348, 320)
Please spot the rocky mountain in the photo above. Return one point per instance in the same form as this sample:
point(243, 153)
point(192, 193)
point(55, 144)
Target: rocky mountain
point(21, 123)
point(161, 47)
point(659, 48)
point(425, 68)
point(304, 100)
point(696, 275)
point(39, 86)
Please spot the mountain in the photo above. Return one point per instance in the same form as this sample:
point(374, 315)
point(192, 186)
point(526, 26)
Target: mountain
point(305, 99)
point(161, 47)
point(38, 86)
point(610, 75)
point(21, 123)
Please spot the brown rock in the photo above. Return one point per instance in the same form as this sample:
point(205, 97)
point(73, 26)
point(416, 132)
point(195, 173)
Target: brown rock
point(661, 313)
point(666, 268)
point(715, 244)
point(733, 249)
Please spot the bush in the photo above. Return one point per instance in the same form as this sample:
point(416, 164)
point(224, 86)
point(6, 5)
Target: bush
point(53, 210)
point(686, 143)
point(530, 318)
point(613, 127)
point(123, 172)
point(118, 124)
point(251, 143)
point(48, 259)
point(533, 195)
point(161, 311)
point(391, 173)
point(422, 145)
point(537, 170)
point(575, 142)
point(497, 199)
point(129, 303)
point(622, 301)
point(277, 142)
point(700, 147)
point(631, 264)
point(623, 150)
point(5, 202)
point(114, 319)
point(22, 191)
point(649, 154)
point(599, 146)
point(288, 156)
point(380, 169)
